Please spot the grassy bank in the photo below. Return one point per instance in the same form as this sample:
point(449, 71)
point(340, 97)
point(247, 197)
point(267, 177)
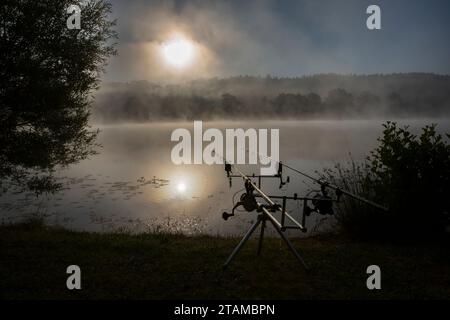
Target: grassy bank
point(33, 261)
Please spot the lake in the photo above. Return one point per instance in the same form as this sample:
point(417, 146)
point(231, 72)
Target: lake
point(132, 185)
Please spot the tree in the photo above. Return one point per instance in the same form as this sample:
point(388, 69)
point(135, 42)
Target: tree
point(47, 73)
point(368, 103)
point(231, 104)
point(339, 101)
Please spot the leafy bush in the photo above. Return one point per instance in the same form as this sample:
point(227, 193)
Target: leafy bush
point(408, 173)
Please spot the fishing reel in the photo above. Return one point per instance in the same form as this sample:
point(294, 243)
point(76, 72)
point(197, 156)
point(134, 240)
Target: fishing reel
point(322, 202)
point(247, 201)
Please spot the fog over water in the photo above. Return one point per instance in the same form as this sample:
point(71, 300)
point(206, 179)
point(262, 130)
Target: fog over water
point(133, 185)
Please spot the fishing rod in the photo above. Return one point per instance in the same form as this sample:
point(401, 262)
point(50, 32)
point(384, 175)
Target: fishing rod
point(322, 203)
point(337, 189)
point(326, 184)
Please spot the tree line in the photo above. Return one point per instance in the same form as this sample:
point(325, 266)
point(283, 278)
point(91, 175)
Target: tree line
point(408, 95)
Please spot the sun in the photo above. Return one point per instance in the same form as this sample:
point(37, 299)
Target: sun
point(178, 52)
point(181, 187)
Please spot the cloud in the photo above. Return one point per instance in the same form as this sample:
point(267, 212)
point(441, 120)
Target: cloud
point(284, 38)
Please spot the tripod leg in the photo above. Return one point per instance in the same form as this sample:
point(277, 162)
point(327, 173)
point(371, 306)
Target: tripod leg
point(261, 235)
point(244, 239)
point(291, 246)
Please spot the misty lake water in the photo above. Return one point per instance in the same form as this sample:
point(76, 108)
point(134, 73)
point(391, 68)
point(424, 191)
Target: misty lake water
point(132, 184)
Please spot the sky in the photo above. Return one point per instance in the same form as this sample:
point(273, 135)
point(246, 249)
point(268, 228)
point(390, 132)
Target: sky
point(279, 37)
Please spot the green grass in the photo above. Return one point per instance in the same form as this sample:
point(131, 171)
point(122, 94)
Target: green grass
point(34, 258)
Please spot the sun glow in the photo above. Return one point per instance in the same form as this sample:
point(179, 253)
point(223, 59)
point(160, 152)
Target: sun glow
point(181, 187)
point(178, 52)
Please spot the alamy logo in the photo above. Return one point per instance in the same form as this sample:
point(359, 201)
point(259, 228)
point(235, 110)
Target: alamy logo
point(374, 280)
point(74, 280)
point(234, 151)
point(74, 20)
point(374, 20)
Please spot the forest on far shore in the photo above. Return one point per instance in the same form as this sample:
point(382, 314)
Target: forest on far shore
point(246, 97)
